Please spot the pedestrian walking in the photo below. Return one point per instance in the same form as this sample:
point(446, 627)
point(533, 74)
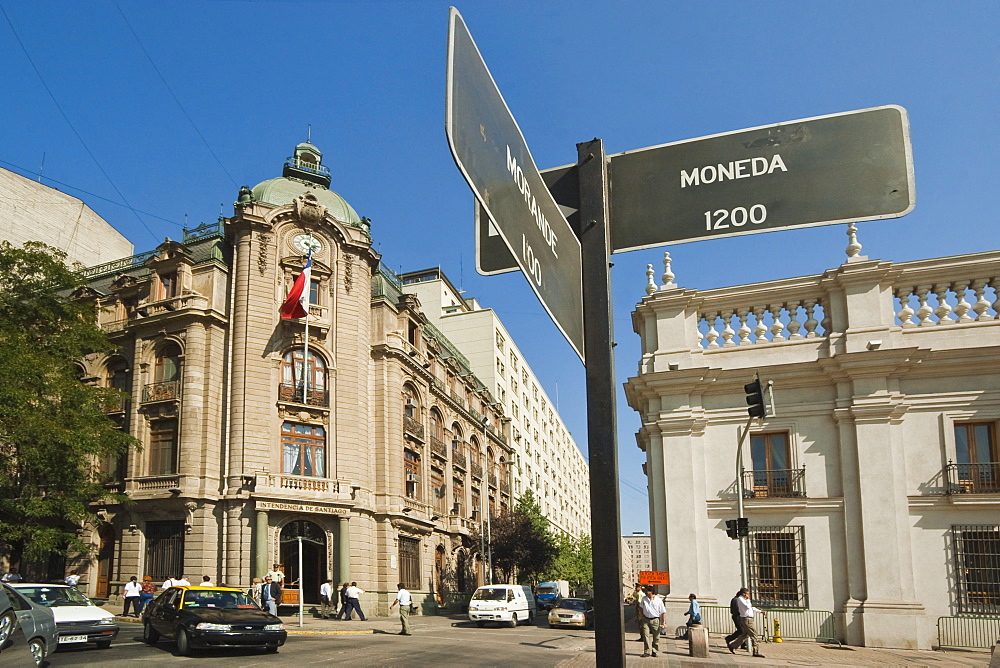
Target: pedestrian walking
point(146, 592)
point(404, 601)
point(354, 593)
point(734, 612)
point(133, 590)
point(654, 615)
point(747, 631)
point(270, 595)
point(72, 579)
point(345, 607)
point(326, 594)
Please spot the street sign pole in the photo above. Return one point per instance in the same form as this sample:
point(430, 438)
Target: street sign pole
point(601, 415)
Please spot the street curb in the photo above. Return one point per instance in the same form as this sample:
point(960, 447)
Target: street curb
point(331, 633)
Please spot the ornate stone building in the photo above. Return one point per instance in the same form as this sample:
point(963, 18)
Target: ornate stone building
point(366, 443)
point(873, 494)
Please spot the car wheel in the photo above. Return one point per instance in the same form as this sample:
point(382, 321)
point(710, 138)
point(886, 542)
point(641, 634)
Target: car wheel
point(37, 648)
point(183, 643)
point(149, 634)
point(104, 644)
point(480, 624)
point(513, 620)
point(7, 623)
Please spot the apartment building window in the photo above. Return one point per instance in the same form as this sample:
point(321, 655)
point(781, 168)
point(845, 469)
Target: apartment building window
point(303, 449)
point(977, 457)
point(513, 362)
point(164, 549)
point(500, 341)
point(163, 447)
point(409, 562)
point(411, 466)
point(778, 567)
point(977, 567)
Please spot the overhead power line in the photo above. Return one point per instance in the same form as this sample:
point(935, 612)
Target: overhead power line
point(70, 123)
point(171, 91)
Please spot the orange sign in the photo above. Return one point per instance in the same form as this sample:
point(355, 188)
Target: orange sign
point(654, 577)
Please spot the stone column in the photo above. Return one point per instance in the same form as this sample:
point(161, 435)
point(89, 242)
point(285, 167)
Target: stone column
point(343, 550)
point(260, 545)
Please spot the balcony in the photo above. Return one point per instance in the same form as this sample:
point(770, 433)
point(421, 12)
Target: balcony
point(458, 459)
point(281, 482)
point(412, 426)
point(154, 483)
point(298, 394)
point(973, 478)
point(115, 406)
point(493, 480)
point(169, 390)
point(774, 484)
point(439, 448)
point(477, 469)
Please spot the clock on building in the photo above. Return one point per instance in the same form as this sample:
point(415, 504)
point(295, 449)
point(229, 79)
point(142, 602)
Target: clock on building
point(306, 243)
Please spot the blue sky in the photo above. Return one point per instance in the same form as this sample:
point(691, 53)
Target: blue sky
point(171, 106)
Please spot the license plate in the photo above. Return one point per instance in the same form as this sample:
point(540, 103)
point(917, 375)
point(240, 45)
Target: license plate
point(68, 639)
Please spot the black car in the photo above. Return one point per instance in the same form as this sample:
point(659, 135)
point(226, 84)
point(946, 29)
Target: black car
point(210, 617)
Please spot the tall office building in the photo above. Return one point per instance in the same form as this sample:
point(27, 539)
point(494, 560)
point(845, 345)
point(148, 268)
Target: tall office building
point(547, 459)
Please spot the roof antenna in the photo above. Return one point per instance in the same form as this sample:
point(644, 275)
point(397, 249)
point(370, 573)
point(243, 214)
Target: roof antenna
point(309, 133)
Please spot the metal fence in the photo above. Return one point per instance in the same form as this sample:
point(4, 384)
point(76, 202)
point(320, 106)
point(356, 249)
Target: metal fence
point(796, 624)
point(956, 632)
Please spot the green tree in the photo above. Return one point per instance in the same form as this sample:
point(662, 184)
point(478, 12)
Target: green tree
point(521, 542)
point(53, 429)
point(573, 562)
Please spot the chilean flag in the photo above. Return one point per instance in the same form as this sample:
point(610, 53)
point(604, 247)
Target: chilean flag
point(297, 304)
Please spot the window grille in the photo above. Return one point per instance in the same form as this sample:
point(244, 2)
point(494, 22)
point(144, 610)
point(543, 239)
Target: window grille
point(409, 562)
point(164, 550)
point(777, 557)
point(977, 566)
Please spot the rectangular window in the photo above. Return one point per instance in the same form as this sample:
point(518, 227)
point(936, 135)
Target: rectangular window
point(440, 491)
point(164, 550)
point(458, 494)
point(772, 474)
point(163, 447)
point(411, 464)
point(314, 293)
point(500, 341)
point(977, 457)
point(168, 285)
point(409, 562)
point(303, 449)
point(778, 567)
point(977, 566)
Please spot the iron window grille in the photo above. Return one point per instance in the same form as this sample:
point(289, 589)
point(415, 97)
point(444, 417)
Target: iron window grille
point(977, 568)
point(777, 560)
point(164, 549)
point(409, 562)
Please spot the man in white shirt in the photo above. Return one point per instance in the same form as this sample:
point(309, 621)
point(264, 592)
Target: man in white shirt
point(654, 615)
point(73, 579)
point(404, 601)
point(354, 593)
point(325, 598)
point(745, 624)
point(205, 581)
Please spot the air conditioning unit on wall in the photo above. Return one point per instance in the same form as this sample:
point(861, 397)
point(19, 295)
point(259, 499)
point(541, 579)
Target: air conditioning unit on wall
point(412, 477)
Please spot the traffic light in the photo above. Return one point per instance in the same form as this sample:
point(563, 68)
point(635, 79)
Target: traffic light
point(738, 528)
point(755, 398)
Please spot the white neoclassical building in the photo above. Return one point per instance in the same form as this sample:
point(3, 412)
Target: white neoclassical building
point(874, 492)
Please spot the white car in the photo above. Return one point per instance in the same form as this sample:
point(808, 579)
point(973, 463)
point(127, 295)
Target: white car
point(502, 603)
point(78, 620)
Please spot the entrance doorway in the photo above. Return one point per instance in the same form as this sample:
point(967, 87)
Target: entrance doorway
point(105, 561)
point(314, 568)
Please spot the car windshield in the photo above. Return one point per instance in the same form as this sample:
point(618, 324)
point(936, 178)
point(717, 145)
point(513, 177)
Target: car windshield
point(227, 600)
point(55, 596)
point(490, 594)
point(547, 588)
point(574, 604)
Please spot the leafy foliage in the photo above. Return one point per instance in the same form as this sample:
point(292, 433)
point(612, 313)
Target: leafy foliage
point(53, 429)
point(521, 542)
point(573, 562)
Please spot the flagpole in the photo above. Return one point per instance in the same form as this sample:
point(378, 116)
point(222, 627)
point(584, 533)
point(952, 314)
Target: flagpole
point(305, 349)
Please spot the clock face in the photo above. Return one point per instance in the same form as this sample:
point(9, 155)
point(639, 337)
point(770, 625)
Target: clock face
point(306, 243)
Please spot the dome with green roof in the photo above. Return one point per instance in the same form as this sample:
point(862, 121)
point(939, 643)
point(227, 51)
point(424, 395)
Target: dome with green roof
point(304, 173)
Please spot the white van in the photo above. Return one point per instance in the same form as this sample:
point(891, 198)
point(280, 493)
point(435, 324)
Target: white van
point(502, 603)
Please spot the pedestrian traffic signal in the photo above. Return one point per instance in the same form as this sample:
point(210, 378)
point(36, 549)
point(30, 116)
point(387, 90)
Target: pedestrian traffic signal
point(732, 530)
point(755, 398)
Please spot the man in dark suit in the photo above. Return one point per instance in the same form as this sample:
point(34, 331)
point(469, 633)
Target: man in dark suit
point(270, 595)
point(734, 610)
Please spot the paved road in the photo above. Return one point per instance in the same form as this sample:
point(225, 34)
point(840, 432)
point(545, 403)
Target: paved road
point(444, 641)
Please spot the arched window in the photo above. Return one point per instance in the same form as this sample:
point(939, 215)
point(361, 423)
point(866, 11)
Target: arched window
point(118, 376)
point(167, 367)
point(457, 441)
point(301, 382)
point(437, 425)
point(411, 408)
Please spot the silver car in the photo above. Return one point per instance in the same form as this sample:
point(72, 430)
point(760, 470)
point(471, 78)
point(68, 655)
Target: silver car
point(27, 623)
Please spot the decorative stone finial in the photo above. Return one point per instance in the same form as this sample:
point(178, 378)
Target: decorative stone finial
point(650, 285)
point(668, 276)
point(854, 247)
